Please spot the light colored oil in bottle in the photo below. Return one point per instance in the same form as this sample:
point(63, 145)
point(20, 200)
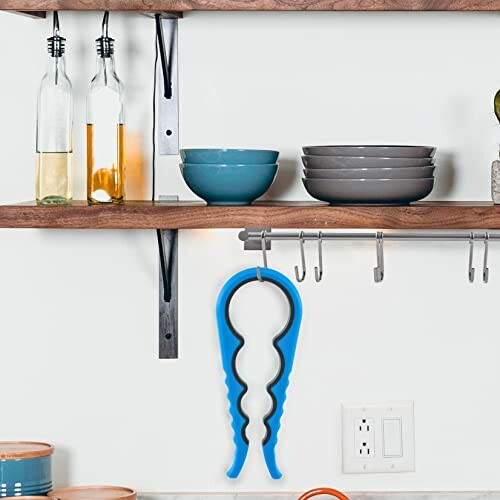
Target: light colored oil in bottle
point(53, 178)
point(105, 166)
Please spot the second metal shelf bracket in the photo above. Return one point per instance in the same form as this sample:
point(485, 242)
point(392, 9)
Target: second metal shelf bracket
point(168, 331)
point(167, 91)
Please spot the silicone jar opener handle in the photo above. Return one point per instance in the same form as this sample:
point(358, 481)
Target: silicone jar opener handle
point(231, 342)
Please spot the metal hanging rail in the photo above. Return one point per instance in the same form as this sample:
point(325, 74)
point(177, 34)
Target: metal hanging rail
point(260, 239)
point(416, 235)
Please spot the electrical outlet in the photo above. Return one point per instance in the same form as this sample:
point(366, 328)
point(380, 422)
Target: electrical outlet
point(378, 437)
point(364, 439)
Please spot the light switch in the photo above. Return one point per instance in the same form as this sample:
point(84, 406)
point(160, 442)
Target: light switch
point(392, 437)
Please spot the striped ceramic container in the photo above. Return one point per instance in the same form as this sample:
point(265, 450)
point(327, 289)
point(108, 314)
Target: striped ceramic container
point(25, 468)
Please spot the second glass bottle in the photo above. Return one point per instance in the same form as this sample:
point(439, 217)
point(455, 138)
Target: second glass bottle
point(105, 127)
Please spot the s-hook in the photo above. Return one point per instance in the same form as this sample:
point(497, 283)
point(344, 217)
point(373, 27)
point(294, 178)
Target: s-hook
point(302, 277)
point(378, 272)
point(263, 243)
point(318, 270)
point(472, 271)
point(486, 270)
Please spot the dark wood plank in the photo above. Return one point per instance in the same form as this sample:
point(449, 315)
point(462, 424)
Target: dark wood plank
point(189, 215)
point(249, 5)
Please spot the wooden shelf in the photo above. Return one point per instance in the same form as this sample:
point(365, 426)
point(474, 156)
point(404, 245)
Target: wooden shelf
point(250, 5)
point(193, 215)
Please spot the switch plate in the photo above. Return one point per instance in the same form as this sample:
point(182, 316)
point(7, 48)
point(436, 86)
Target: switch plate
point(378, 437)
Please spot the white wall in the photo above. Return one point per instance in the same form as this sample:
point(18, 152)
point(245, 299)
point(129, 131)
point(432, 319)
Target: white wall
point(79, 320)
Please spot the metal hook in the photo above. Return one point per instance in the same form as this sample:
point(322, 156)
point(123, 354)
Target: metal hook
point(105, 24)
point(56, 23)
point(259, 276)
point(263, 243)
point(378, 272)
point(472, 271)
point(303, 260)
point(318, 271)
point(486, 270)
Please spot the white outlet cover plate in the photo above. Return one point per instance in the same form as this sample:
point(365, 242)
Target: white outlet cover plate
point(382, 458)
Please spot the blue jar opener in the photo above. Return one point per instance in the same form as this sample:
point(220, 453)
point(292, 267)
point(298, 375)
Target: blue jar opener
point(231, 342)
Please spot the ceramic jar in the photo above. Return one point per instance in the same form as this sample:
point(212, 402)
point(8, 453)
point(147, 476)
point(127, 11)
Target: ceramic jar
point(25, 468)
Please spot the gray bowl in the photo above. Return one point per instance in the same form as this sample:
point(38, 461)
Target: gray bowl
point(363, 162)
point(378, 151)
point(369, 173)
point(368, 191)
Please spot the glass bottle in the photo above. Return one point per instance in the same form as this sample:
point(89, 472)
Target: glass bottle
point(105, 127)
point(54, 130)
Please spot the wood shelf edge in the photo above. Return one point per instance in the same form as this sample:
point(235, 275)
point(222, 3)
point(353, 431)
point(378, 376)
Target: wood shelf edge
point(307, 215)
point(253, 5)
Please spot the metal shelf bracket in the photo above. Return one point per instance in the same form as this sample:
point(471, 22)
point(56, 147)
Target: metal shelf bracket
point(34, 14)
point(168, 293)
point(167, 90)
point(168, 289)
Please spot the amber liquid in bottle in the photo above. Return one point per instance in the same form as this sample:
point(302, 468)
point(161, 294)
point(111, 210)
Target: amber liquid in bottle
point(105, 167)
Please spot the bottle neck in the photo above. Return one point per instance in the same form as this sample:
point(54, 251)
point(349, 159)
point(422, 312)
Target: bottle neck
point(56, 68)
point(106, 69)
point(106, 63)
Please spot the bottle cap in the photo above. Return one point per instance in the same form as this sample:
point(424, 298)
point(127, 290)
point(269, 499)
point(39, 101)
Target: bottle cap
point(105, 46)
point(56, 45)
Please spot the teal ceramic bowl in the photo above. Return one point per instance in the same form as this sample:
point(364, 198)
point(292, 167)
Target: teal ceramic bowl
point(229, 184)
point(25, 469)
point(229, 156)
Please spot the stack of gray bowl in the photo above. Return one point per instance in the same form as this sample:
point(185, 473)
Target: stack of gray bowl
point(380, 175)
